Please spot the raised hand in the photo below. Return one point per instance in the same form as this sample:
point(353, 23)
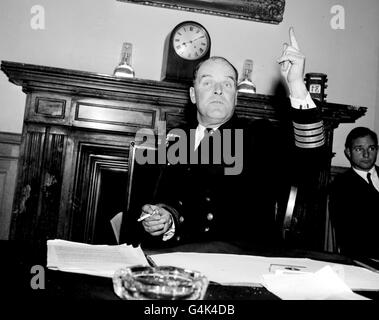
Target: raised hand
point(292, 65)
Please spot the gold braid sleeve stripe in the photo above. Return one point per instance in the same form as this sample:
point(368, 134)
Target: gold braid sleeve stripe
point(308, 126)
point(309, 132)
point(310, 135)
point(309, 139)
point(310, 145)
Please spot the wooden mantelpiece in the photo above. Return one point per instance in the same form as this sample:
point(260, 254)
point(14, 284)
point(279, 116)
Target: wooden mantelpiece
point(159, 93)
point(76, 135)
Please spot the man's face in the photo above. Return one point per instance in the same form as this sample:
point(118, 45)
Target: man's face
point(362, 153)
point(214, 92)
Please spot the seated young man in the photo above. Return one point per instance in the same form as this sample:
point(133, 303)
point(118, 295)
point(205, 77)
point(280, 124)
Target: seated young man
point(354, 197)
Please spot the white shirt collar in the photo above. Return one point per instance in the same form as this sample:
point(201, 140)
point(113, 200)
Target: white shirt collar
point(199, 135)
point(200, 127)
point(374, 176)
point(363, 174)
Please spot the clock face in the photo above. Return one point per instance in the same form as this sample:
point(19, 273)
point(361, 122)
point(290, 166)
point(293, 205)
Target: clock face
point(191, 41)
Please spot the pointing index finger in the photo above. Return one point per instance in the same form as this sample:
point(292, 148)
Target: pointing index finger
point(293, 40)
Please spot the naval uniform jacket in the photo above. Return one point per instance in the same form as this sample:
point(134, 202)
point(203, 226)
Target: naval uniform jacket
point(354, 210)
point(208, 205)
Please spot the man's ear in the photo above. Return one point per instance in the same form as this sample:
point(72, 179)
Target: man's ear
point(192, 95)
point(348, 153)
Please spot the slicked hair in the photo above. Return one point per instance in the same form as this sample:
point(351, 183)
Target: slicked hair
point(214, 58)
point(360, 132)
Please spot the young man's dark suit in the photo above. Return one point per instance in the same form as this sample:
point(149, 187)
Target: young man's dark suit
point(354, 209)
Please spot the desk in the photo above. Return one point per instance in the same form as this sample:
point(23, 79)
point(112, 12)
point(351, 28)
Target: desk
point(19, 257)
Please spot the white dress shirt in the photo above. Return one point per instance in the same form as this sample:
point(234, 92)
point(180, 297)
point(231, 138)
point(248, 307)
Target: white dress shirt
point(305, 104)
point(199, 134)
point(374, 176)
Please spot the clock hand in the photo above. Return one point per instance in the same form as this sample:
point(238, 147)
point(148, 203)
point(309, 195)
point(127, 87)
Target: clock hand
point(191, 41)
point(197, 38)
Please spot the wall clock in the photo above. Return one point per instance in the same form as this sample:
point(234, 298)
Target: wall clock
point(186, 45)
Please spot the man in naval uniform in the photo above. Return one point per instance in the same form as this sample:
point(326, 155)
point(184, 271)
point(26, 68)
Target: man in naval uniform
point(224, 200)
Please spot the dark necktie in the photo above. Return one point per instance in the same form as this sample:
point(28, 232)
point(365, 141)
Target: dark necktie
point(206, 149)
point(210, 131)
point(369, 180)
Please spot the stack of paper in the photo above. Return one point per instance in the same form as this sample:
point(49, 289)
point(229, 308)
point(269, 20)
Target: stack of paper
point(324, 284)
point(99, 260)
point(245, 269)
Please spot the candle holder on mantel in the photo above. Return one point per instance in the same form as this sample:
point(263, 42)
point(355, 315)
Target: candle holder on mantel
point(124, 68)
point(245, 84)
point(316, 85)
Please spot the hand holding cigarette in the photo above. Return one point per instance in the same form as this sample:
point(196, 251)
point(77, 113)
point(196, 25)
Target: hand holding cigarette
point(153, 210)
point(155, 219)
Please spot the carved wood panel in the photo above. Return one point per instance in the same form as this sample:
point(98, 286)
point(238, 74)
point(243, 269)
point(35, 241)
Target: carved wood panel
point(9, 155)
point(37, 202)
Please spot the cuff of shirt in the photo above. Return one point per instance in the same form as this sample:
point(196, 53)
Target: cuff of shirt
point(303, 104)
point(170, 232)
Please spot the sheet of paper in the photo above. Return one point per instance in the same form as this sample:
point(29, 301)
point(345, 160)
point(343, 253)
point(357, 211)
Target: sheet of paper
point(324, 284)
point(116, 225)
point(100, 260)
point(221, 268)
point(246, 269)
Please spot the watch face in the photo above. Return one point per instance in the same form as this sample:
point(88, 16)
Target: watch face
point(191, 41)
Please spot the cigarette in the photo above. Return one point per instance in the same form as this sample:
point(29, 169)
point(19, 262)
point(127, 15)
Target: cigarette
point(141, 218)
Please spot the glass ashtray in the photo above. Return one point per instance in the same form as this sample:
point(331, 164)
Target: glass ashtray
point(159, 283)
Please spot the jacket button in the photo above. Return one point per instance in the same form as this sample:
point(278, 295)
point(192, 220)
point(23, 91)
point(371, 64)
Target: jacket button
point(210, 216)
point(206, 229)
point(181, 219)
point(177, 238)
point(180, 202)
